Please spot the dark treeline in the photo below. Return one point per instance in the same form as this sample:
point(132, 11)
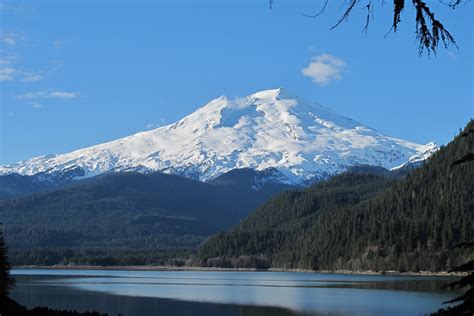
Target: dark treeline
point(120, 256)
point(364, 222)
point(8, 307)
point(126, 218)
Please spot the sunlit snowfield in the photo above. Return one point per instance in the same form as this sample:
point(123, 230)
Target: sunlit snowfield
point(139, 293)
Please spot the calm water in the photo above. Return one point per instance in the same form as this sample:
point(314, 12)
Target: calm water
point(141, 293)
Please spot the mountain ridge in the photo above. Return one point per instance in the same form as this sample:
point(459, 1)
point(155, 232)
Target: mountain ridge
point(363, 220)
point(122, 217)
point(301, 140)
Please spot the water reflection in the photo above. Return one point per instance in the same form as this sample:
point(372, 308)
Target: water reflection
point(229, 293)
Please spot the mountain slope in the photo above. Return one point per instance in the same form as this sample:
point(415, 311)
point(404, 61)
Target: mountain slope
point(269, 129)
point(14, 185)
point(124, 212)
point(364, 222)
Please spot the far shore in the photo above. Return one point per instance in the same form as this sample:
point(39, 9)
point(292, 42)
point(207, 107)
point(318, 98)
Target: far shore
point(191, 268)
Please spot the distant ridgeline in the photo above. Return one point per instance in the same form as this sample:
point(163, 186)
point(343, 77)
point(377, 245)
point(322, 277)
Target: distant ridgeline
point(362, 222)
point(124, 218)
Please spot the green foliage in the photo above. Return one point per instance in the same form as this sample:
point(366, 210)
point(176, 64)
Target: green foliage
point(365, 222)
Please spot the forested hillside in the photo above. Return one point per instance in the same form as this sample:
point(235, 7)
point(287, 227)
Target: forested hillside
point(362, 222)
point(15, 185)
point(124, 218)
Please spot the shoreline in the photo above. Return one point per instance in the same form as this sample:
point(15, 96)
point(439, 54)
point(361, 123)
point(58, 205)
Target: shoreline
point(216, 269)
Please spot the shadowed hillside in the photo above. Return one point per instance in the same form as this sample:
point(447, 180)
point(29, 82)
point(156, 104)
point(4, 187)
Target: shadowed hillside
point(363, 222)
point(124, 218)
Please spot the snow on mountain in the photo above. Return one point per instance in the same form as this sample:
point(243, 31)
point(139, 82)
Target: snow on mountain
point(269, 129)
point(415, 160)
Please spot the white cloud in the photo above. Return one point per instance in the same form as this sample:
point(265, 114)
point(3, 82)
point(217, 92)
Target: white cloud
point(31, 95)
point(9, 39)
point(62, 94)
point(48, 95)
point(10, 64)
point(6, 73)
point(324, 69)
point(36, 105)
point(8, 59)
point(10, 72)
point(31, 77)
point(11, 8)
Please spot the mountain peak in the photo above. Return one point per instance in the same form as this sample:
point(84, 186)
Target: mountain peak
point(269, 94)
point(299, 139)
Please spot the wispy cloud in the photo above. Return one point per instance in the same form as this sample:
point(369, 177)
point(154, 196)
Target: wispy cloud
point(47, 95)
point(10, 73)
point(324, 68)
point(36, 105)
point(10, 39)
point(10, 69)
point(32, 77)
point(62, 94)
point(32, 95)
point(6, 73)
point(14, 8)
point(8, 59)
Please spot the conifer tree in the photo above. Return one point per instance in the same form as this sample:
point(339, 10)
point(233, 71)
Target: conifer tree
point(5, 279)
point(466, 307)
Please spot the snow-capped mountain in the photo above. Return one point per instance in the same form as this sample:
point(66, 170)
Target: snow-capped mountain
point(297, 139)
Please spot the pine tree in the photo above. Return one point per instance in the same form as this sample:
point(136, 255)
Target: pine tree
point(6, 281)
point(466, 307)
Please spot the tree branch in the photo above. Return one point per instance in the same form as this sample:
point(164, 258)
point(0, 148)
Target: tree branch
point(430, 32)
point(314, 16)
point(346, 14)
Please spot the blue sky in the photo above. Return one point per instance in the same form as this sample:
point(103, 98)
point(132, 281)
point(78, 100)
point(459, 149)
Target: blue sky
point(78, 73)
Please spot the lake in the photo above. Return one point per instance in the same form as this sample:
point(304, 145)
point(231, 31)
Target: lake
point(141, 293)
